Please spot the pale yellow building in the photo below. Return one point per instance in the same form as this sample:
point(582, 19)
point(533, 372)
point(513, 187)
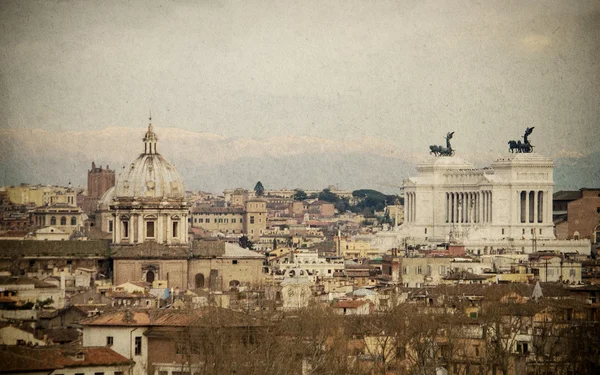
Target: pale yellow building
point(357, 248)
point(61, 216)
point(42, 195)
point(251, 219)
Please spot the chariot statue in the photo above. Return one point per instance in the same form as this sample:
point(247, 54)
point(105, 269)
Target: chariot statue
point(443, 151)
point(525, 146)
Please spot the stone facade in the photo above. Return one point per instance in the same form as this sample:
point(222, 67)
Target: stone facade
point(213, 265)
point(256, 218)
point(61, 216)
point(149, 200)
point(450, 198)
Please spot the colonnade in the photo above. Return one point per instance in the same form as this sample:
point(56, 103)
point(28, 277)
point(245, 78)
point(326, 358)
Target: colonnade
point(410, 208)
point(531, 206)
point(469, 207)
point(162, 228)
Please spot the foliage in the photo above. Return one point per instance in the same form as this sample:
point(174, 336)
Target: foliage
point(246, 243)
point(259, 189)
point(44, 303)
point(300, 195)
point(327, 196)
point(371, 201)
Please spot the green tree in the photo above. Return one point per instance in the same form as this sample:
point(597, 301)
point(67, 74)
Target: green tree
point(259, 189)
point(300, 195)
point(327, 196)
point(246, 243)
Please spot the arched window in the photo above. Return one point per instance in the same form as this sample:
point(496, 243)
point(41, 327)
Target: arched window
point(53, 220)
point(199, 280)
point(63, 221)
point(73, 220)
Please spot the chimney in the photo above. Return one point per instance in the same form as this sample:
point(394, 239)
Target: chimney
point(93, 165)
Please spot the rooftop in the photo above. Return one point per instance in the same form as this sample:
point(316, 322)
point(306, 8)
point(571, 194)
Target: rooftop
point(28, 359)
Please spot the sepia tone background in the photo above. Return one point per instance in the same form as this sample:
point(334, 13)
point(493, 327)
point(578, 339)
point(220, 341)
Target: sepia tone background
point(295, 93)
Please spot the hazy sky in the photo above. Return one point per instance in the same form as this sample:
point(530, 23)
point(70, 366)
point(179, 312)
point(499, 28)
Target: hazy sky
point(402, 73)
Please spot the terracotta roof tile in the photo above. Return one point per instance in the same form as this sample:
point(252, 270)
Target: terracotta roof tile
point(20, 358)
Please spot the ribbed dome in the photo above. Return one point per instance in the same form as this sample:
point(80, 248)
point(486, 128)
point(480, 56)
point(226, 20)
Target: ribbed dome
point(150, 175)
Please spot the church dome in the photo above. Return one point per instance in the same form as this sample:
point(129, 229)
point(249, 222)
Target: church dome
point(150, 175)
point(106, 199)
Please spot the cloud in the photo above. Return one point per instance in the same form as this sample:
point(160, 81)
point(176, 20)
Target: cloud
point(40, 156)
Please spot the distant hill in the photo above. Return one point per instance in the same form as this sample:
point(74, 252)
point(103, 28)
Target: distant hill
point(211, 162)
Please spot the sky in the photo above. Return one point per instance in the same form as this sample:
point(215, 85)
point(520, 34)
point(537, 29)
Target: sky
point(295, 93)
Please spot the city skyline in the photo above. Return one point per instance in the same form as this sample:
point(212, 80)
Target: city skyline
point(293, 95)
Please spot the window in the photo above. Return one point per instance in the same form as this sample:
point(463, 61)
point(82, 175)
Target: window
point(118, 372)
point(241, 221)
point(175, 229)
point(428, 270)
point(234, 261)
point(405, 270)
point(109, 340)
point(502, 230)
point(207, 220)
point(233, 220)
point(150, 229)
point(73, 220)
point(201, 220)
point(110, 226)
point(442, 270)
point(540, 230)
point(63, 221)
point(251, 219)
point(425, 230)
point(419, 270)
point(572, 273)
point(125, 229)
point(522, 347)
point(138, 345)
point(98, 373)
point(53, 220)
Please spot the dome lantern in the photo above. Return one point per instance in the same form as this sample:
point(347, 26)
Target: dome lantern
point(150, 140)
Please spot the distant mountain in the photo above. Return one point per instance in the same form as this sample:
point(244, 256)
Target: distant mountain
point(211, 162)
point(573, 173)
point(206, 161)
